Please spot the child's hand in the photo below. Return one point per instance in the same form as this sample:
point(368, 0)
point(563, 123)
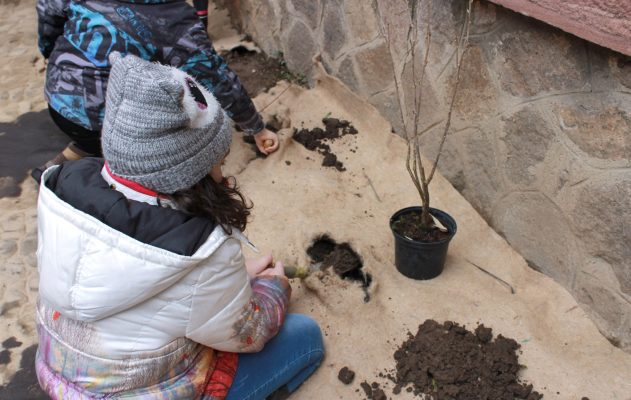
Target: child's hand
point(255, 266)
point(277, 270)
point(266, 141)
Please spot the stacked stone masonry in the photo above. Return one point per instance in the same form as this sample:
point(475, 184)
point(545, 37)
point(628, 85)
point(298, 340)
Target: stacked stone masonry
point(541, 136)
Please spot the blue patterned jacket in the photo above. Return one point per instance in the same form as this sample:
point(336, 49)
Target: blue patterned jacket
point(77, 36)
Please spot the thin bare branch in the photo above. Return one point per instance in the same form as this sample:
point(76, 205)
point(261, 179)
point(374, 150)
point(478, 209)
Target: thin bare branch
point(421, 169)
point(412, 170)
point(461, 49)
point(397, 83)
point(428, 42)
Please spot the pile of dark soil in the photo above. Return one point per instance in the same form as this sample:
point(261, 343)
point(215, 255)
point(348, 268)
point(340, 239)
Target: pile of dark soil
point(256, 71)
point(341, 257)
point(448, 361)
point(316, 138)
point(409, 225)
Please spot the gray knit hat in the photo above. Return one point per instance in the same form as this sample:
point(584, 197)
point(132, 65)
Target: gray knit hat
point(161, 129)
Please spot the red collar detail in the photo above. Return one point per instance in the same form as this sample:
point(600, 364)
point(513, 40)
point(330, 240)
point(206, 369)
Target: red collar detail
point(132, 185)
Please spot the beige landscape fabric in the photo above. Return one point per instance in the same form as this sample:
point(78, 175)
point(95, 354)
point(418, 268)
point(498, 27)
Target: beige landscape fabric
point(296, 199)
point(562, 349)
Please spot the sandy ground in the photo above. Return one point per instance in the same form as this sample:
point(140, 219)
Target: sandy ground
point(297, 199)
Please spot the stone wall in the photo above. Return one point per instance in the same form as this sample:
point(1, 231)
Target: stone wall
point(541, 135)
point(606, 23)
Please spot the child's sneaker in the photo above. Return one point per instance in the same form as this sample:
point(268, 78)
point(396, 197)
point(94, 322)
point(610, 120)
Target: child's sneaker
point(70, 153)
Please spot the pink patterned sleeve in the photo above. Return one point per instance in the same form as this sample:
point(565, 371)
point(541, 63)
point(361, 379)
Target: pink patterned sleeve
point(261, 319)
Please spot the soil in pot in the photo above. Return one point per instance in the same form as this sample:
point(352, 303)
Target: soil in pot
point(447, 361)
point(317, 139)
point(409, 225)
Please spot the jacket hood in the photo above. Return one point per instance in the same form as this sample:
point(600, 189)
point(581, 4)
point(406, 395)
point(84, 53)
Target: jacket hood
point(100, 253)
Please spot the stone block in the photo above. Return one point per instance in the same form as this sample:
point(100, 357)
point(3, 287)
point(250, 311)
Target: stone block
point(482, 172)
point(346, 73)
point(375, 67)
point(334, 30)
point(8, 247)
point(538, 229)
point(450, 163)
point(602, 219)
point(28, 247)
point(603, 302)
point(431, 108)
point(361, 20)
point(264, 23)
point(599, 129)
point(484, 17)
point(531, 59)
point(387, 104)
point(527, 138)
point(394, 15)
point(12, 223)
point(310, 9)
point(477, 95)
point(300, 48)
point(623, 334)
point(603, 68)
point(14, 267)
point(621, 66)
point(602, 22)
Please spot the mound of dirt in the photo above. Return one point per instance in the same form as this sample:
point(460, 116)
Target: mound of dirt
point(256, 71)
point(447, 361)
point(316, 138)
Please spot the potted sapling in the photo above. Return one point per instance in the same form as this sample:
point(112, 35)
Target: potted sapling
point(422, 233)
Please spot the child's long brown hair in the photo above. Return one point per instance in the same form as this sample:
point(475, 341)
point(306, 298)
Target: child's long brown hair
point(220, 202)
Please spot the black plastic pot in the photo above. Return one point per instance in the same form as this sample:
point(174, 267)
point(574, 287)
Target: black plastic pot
point(421, 260)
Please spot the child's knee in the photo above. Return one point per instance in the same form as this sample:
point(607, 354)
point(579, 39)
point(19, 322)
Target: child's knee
point(308, 329)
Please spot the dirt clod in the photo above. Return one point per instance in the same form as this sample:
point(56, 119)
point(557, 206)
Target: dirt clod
point(346, 375)
point(373, 391)
point(448, 361)
point(484, 334)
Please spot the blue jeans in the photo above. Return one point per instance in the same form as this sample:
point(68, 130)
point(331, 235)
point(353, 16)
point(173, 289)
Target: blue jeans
point(287, 359)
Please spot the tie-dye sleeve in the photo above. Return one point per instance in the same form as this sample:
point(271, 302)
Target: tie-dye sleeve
point(230, 312)
point(51, 17)
point(263, 316)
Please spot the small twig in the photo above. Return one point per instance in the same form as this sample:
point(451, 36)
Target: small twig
point(275, 98)
point(508, 285)
point(373, 187)
point(463, 40)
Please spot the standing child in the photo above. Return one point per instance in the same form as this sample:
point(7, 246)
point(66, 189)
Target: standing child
point(144, 292)
point(201, 8)
point(77, 38)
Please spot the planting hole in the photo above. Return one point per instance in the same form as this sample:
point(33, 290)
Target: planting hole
point(341, 257)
